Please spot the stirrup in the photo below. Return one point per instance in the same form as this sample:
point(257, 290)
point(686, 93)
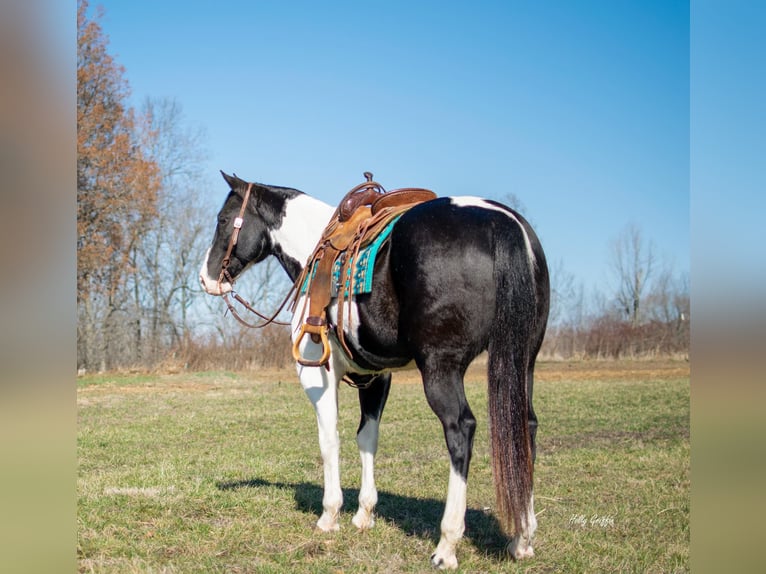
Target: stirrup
point(317, 328)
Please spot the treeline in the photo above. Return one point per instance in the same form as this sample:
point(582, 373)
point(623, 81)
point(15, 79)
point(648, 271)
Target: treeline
point(609, 335)
point(139, 216)
point(647, 315)
point(144, 222)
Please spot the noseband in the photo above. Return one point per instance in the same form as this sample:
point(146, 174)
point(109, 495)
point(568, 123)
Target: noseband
point(226, 276)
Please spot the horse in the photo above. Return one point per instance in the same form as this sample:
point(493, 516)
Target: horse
point(456, 277)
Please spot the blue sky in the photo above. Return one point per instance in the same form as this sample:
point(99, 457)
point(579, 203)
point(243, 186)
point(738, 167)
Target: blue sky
point(728, 153)
point(580, 109)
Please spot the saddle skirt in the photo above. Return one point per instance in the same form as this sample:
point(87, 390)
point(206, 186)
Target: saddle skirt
point(359, 270)
point(342, 263)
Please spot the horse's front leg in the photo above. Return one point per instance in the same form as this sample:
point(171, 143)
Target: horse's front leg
point(372, 400)
point(321, 387)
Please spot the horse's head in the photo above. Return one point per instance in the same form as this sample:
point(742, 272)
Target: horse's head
point(250, 244)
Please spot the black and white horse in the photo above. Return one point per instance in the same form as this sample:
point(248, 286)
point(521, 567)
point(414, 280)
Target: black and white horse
point(458, 276)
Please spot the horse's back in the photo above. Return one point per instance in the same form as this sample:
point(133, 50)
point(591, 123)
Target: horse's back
point(456, 242)
point(462, 222)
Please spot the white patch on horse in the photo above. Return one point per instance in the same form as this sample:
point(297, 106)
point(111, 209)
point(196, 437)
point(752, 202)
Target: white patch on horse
point(321, 387)
point(453, 522)
point(472, 201)
point(367, 441)
point(351, 322)
point(210, 284)
point(304, 221)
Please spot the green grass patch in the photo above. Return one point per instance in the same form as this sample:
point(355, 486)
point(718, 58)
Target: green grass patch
point(221, 473)
point(150, 379)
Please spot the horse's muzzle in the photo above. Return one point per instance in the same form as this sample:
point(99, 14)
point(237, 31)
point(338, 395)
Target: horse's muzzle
point(212, 287)
point(210, 284)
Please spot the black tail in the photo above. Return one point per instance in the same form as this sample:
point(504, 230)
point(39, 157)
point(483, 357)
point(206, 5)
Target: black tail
point(510, 349)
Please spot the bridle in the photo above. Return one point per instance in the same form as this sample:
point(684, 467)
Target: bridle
point(226, 276)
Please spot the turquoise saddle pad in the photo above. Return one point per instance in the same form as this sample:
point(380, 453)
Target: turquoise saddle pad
point(360, 268)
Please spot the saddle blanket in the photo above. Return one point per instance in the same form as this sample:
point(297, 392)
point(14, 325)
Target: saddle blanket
point(361, 269)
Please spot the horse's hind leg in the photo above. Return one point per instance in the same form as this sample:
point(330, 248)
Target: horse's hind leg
point(521, 545)
point(372, 400)
point(445, 394)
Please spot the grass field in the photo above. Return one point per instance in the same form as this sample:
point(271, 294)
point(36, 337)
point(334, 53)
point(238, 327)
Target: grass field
point(220, 472)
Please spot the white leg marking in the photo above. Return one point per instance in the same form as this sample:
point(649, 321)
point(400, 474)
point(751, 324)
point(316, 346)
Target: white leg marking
point(453, 522)
point(521, 545)
point(321, 387)
point(367, 440)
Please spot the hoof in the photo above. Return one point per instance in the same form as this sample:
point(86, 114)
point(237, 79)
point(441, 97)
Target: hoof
point(363, 520)
point(520, 549)
point(443, 562)
point(328, 523)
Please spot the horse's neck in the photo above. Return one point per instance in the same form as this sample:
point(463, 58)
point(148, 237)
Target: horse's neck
point(304, 221)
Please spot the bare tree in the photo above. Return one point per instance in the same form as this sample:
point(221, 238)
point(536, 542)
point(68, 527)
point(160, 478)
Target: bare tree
point(667, 306)
point(562, 294)
point(169, 253)
point(647, 316)
point(632, 263)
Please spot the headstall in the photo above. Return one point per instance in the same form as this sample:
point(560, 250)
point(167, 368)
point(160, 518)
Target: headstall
point(226, 276)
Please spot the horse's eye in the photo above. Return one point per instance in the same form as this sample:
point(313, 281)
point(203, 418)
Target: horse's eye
point(223, 220)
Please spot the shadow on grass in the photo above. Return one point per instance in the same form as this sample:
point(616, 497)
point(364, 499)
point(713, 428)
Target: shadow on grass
point(414, 516)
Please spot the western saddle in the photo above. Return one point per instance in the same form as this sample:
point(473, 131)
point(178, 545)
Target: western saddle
point(361, 216)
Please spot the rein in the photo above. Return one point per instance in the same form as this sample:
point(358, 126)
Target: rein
point(225, 275)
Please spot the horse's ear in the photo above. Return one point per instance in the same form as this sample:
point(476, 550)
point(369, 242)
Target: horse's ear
point(234, 182)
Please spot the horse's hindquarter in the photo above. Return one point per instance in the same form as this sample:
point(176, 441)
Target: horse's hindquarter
point(435, 284)
point(442, 267)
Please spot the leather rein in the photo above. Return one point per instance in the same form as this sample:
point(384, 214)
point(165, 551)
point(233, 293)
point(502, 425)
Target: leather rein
point(225, 275)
